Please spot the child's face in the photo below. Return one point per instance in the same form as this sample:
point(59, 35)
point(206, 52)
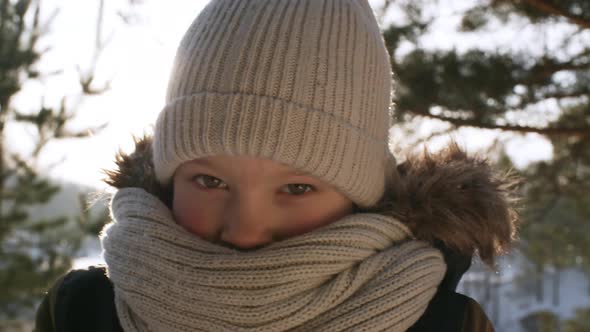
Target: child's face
point(249, 202)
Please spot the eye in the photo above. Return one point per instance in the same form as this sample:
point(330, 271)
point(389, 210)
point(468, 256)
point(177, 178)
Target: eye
point(209, 182)
point(297, 189)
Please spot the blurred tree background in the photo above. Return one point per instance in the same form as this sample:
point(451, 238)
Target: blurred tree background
point(36, 249)
point(514, 67)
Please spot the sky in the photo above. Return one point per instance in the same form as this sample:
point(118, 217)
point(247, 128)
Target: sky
point(137, 60)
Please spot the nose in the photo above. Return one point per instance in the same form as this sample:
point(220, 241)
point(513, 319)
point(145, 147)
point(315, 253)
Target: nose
point(247, 223)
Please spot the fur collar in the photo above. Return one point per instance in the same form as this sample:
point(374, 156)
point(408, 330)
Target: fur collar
point(458, 203)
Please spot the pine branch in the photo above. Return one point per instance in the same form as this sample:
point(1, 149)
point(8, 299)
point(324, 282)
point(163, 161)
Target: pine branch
point(547, 67)
point(564, 94)
point(546, 7)
point(552, 131)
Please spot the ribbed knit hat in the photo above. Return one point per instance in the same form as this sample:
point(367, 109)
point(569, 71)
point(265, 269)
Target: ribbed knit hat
point(306, 83)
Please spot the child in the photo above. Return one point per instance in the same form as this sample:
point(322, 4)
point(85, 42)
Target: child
point(268, 200)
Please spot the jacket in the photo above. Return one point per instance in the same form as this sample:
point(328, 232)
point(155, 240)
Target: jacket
point(455, 202)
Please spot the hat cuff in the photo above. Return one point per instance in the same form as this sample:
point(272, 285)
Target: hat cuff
point(310, 140)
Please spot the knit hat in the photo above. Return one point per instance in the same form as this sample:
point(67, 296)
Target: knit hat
point(306, 83)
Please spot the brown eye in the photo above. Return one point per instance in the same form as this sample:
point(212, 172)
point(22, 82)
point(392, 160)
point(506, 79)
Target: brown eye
point(209, 182)
point(297, 189)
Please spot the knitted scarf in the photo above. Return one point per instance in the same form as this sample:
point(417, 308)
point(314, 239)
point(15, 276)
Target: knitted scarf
point(363, 272)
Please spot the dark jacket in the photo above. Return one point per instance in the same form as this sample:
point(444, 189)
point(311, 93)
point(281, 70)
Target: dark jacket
point(449, 199)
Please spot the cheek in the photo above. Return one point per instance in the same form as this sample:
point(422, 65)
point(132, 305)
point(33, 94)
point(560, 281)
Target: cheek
point(195, 213)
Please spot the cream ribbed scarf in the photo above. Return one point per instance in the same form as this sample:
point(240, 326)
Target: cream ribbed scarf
point(360, 273)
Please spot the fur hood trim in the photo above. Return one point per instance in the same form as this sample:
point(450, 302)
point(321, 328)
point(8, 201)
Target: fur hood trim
point(452, 200)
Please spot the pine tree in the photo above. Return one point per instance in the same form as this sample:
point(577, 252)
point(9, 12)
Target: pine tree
point(33, 252)
point(541, 88)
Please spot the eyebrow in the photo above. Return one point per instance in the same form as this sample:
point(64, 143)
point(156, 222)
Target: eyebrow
point(201, 162)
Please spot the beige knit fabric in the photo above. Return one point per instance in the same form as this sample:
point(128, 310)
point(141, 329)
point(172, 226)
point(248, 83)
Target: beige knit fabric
point(361, 273)
point(303, 82)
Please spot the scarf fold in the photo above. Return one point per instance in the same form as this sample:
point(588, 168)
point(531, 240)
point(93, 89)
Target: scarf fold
point(363, 272)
